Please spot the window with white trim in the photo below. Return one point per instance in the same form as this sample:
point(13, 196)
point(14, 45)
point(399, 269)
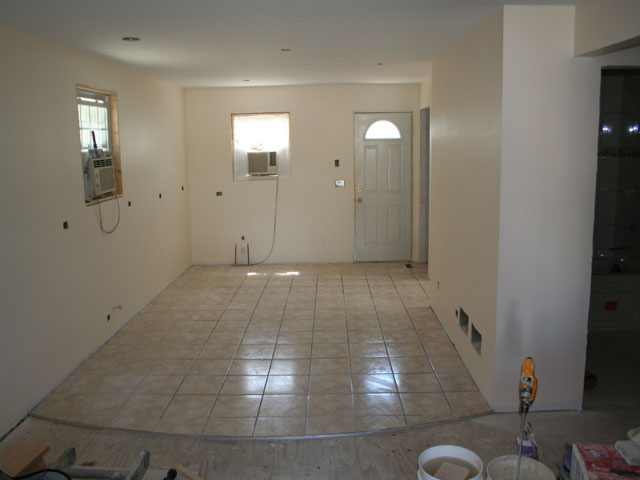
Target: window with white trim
point(93, 116)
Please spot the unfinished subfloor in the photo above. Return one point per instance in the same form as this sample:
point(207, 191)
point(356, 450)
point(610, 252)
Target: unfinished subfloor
point(285, 350)
point(381, 455)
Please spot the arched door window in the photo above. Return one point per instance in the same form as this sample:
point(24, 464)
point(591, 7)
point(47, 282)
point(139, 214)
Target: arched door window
point(382, 130)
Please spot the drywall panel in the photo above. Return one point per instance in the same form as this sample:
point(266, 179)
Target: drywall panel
point(549, 150)
point(465, 186)
point(547, 180)
point(59, 285)
point(603, 26)
point(315, 220)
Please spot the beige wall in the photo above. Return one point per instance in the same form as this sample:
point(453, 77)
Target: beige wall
point(315, 219)
point(425, 92)
point(549, 136)
point(59, 285)
point(603, 26)
point(465, 186)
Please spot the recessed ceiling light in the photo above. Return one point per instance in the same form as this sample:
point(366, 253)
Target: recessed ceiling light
point(380, 64)
point(131, 39)
point(285, 49)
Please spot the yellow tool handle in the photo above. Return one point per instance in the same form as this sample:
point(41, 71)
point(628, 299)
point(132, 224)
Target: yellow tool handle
point(528, 383)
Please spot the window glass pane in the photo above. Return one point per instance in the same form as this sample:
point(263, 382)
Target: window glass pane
point(93, 115)
point(96, 118)
point(256, 133)
point(382, 130)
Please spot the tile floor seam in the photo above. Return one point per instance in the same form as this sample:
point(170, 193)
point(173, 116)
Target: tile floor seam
point(255, 423)
point(234, 356)
point(353, 402)
point(313, 331)
point(393, 375)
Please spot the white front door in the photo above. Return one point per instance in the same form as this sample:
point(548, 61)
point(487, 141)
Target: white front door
point(383, 186)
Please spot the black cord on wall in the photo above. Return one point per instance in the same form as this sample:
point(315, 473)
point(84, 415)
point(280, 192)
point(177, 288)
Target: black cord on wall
point(100, 214)
point(275, 221)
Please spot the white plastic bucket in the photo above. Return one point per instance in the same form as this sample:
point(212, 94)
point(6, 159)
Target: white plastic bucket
point(451, 453)
point(504, 468)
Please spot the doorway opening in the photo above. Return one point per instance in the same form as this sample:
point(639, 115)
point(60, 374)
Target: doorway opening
point(614, 311)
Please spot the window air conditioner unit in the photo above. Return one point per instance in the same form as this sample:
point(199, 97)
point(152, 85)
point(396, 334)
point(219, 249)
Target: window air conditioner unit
point(102, 176)
point(262, 163)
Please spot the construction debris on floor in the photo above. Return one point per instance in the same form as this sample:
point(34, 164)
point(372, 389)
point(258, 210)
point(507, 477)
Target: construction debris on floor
point(372, 456)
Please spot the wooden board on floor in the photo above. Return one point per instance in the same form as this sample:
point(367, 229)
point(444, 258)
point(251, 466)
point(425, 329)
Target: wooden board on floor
point(23, 459)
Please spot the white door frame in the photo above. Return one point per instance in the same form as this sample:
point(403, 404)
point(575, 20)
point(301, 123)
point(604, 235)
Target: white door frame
point(425, 162)
point(402, 250)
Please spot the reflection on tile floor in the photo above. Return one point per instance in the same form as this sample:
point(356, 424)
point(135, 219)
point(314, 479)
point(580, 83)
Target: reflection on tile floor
point(276, 350)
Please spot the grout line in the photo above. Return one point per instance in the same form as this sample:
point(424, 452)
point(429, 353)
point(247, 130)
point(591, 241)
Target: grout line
point(226, 375)
point(270, 276)
point(313, 334)
point(353, 390)
point(404, 413)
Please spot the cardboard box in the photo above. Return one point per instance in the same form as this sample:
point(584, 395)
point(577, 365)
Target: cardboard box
point(593, 461)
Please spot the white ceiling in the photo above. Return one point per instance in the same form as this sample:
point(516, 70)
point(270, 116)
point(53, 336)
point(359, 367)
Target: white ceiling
point(198, 43)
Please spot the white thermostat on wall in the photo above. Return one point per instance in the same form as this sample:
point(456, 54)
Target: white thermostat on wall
point(339, 183)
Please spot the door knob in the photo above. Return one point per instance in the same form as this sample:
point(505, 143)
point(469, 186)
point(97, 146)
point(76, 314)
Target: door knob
point(359, 200)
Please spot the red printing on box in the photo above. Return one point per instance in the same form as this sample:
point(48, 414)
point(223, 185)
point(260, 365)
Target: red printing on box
point(603, 461)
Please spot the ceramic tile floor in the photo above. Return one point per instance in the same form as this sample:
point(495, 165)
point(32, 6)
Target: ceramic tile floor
point(286, 350)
